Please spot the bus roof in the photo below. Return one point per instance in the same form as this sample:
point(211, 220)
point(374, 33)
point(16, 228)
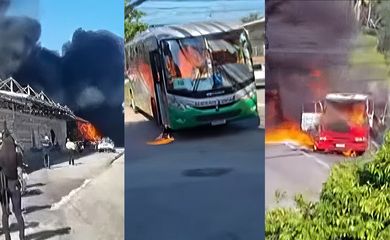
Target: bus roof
point(186, 30)
point(346, 97)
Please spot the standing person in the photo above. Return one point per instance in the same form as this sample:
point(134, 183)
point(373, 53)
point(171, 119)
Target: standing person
point(46, 147)
point(9, 184)
point(71, 146)
point(21, 166)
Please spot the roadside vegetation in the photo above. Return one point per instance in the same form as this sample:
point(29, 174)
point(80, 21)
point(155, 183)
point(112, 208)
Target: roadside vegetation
point(133, 26)
point(354, 205)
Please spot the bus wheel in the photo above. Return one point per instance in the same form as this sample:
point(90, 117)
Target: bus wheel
point(156, 115)
point(132, 102)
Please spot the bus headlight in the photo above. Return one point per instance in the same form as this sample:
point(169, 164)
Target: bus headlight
point(250, 95)
point(181, 106)
point(360, 139)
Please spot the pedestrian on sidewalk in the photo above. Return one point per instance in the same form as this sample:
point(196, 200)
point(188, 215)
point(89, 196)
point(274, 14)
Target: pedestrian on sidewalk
point(71, 146)
point(9, 184)
point(46, 147)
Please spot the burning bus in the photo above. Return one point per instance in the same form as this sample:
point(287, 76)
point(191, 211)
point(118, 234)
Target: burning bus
point(190, 75)
point(340, 123)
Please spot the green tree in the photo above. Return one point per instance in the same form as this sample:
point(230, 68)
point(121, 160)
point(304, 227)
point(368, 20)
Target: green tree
point(251, 17)
point(375, 15)
point(383, 31)
point(133, 24)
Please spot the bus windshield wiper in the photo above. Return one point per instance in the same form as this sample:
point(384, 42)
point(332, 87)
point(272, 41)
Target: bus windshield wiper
point(197, 80)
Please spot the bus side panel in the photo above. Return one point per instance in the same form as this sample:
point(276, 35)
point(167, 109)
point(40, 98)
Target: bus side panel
point(143, 83)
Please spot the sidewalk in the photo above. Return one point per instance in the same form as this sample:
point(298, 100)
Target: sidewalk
point(97, 212)
point(47, 188)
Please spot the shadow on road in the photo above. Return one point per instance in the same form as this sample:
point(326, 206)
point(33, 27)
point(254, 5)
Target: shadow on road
point(33, 192)
point(35, 159)
point(14, 226)
point(48, 234)
point(206, 172)
point(36, 185)
point(30, 209)
point(147, 130)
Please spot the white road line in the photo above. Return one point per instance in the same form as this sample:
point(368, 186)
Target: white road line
point(318, 160)
point(67, 198)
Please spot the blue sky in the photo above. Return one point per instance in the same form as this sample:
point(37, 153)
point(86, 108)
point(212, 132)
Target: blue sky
point(60, 18)
point(181, 11)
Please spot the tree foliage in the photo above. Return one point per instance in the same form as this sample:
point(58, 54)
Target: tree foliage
point(354, 205)
point(133, 24)
point(375, 14)
point(251, 17)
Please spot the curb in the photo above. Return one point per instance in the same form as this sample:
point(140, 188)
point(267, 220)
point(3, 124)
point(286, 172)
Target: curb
point(116, 158)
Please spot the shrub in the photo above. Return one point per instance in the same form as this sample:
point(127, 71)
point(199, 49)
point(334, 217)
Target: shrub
point(354, 205)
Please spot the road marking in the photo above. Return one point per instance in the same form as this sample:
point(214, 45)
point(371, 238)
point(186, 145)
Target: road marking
point(318, 160)
point(375, 144)
point(67, 198)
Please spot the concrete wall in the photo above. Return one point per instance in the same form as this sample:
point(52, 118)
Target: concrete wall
point(29, 129)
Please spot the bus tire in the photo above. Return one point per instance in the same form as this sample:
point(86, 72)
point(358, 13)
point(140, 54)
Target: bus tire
point(132, 102)
point(156, 115)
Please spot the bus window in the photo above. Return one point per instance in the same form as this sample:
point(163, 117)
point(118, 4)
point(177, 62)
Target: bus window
point(186, 62)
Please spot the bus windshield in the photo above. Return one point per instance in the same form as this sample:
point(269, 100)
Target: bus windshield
point(204, 64)
point(342, 116)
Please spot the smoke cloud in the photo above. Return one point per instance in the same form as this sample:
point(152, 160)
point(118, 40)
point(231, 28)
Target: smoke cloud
point(18, 36)
point(90, 97)
point(308, 53)
point(87, 76)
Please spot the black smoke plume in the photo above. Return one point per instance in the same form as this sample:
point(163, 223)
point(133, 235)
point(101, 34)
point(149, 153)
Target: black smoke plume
point(87, 77)
point(18, 36)
point(308, 43)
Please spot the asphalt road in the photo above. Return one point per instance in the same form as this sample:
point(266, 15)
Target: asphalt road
point(50, 209)
point(290, 170)
point(208, 184)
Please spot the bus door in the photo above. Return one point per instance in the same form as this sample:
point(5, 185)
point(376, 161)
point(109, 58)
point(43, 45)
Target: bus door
point(159, 86)
point(311, 115)
point(370, 110)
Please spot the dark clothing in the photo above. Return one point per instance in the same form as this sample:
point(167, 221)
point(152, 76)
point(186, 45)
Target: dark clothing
point(71, 157)
point(13, 193)
point(46, 147)
point(46, 160)
point(8, 160)
point(10, 186)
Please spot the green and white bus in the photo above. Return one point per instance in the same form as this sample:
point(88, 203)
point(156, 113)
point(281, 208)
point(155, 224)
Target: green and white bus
point(190, 75)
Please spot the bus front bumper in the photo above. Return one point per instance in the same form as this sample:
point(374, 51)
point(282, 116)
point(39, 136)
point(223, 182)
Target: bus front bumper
point(190, 117)
point(341, 146)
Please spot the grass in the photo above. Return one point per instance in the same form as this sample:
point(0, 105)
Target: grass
point(364, 55)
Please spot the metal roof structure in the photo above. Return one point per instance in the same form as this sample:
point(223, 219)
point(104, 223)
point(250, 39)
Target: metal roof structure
point(346, 97)
point(186, 30)
point(27, 100)
point(251, 23)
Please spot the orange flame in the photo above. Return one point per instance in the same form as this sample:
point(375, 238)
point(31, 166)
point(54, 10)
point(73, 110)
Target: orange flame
point(354, 114)
point(88, 131)
point(162, 139)
point(288, 132)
